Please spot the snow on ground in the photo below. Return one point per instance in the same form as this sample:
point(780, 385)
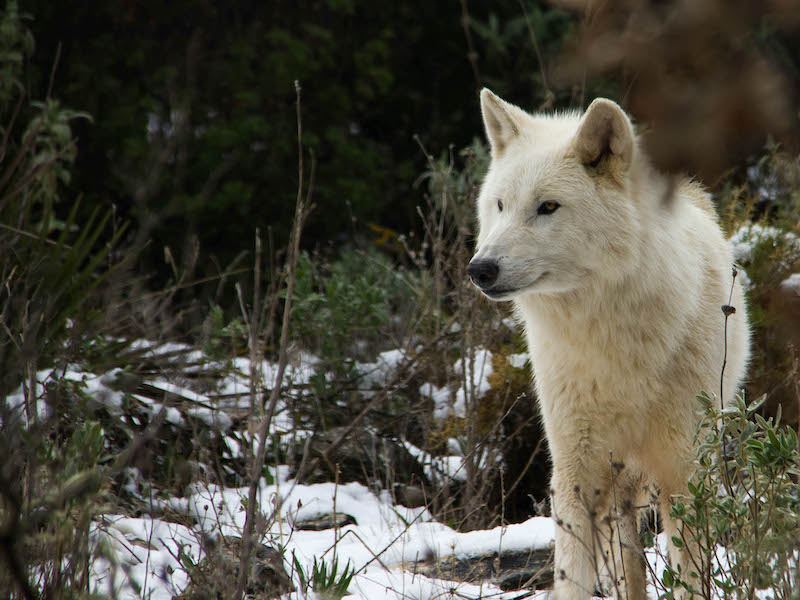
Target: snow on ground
point(145, 553)
point(438, 468)
point(381, 546)
point(792, 284)
point(518, 360)
point(476, 370)
point(144, 557)
point(375, 374)
point(386, 540)
point(402, 585)
point(746, 238)
point(141, 554)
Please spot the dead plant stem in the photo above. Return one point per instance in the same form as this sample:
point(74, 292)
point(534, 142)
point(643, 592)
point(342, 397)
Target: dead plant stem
point(301, 211)
point(727, 310)
point(549, 96)
point(472, 55)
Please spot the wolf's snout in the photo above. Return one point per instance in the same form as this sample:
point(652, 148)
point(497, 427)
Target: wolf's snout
point(483, 272)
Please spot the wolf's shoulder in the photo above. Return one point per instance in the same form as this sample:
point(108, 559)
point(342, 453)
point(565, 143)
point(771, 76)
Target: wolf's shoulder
point(697, 195)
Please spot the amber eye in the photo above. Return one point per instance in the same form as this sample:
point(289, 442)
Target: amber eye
point(500, 205)
point(548, 208)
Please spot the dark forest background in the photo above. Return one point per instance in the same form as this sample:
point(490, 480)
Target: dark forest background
point(193, 129)
point(158, 143)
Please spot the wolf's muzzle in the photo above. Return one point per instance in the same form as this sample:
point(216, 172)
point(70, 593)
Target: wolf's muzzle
point(483, 272)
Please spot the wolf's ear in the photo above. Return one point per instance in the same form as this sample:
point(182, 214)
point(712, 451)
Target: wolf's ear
point(605, 132)
point(501, 119)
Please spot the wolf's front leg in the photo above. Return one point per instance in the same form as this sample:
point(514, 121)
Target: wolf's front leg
point(623, 566)
point(578, 495)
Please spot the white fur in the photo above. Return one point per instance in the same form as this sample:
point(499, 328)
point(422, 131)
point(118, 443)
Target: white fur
point(620, 293)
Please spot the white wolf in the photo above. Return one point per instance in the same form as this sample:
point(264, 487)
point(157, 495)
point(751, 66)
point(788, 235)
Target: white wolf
point(618, 275)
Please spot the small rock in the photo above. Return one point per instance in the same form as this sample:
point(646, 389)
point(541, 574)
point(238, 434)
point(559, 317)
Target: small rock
point(331, 521)
point(410, 496)
point(509, 570)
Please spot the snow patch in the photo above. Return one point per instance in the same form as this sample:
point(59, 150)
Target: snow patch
point(518, 361)
point(792, 284)
point(442, 405)
point(746, 238)
point(377, 374)
point(438, 467)
point(141, 557)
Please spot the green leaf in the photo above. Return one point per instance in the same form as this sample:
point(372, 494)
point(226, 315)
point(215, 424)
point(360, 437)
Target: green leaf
point(300, 573)
point(756, 445)
point(756, 404)
point(773, 439)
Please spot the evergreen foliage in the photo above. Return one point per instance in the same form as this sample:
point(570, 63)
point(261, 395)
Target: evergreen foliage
point(193, 105)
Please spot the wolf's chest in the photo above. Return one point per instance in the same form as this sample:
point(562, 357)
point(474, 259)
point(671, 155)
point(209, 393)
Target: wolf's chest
point(603, 372)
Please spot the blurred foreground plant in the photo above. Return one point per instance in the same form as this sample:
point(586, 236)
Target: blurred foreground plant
point(51, 479)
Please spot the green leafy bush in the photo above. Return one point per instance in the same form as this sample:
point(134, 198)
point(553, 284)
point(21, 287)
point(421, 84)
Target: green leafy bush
point(342, 310)
point(741, 517)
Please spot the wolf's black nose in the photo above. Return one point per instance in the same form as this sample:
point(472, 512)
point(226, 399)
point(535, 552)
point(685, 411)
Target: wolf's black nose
point(483, 272)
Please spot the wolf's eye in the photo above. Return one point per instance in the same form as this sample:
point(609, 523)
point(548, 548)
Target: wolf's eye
point(500, 205)
point(547, 208)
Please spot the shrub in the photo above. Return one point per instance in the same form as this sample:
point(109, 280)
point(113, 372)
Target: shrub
point(742, 513)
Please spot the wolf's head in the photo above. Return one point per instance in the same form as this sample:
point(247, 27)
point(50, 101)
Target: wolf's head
point(558, 208)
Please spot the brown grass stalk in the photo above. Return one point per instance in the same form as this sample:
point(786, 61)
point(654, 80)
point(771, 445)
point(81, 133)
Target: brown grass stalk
point(302, 208)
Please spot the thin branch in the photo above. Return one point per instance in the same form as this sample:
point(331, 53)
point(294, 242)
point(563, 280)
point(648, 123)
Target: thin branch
point(53, 71)
point(34, 236)
point(300, 214)
point(549, 96)
point(472, 55)
point(727, 310)
point(180, 286)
